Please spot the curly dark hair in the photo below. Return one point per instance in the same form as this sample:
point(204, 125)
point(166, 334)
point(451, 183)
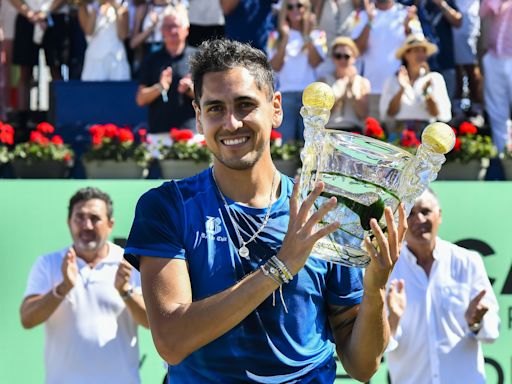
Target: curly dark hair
point(89, 193)
point(221, 55)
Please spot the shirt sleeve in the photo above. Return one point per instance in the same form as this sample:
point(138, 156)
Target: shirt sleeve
point(440, 94)
point(358, 28)
point(39, 280)
point(344, 285)
point(491, 321)
point(157, 228)
point(389, 89)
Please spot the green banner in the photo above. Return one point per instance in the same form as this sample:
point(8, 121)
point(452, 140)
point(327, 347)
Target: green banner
point(33, 222)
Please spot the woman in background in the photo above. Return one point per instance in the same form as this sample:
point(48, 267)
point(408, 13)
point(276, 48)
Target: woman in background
point(350, 89)
point(415, 96)
point(295, 50)
point(105, 25)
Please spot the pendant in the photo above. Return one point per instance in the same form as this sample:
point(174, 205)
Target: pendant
point(244, 252)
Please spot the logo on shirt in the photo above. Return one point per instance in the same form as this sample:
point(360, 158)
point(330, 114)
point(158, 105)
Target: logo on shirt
point(213, 226)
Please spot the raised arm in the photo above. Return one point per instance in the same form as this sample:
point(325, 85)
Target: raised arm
point(87, 18)
point(228, 5)
point(133, 300)
point(362, 332)
point(146, 94)
point(36, 309)
point(180, 326)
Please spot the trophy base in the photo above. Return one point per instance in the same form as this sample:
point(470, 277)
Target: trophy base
point(337, 252)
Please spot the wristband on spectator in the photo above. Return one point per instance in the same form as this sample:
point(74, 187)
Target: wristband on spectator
point(126, 295)
point(57, 294)
point(369, 24)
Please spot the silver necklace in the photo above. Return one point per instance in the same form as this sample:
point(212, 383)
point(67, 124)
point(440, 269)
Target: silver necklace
point(243, 251)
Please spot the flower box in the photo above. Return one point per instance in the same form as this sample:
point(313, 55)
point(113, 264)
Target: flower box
point(111, 169)
point(506, 164)
point(180, 169)
point(40, 169)
point(457, 170)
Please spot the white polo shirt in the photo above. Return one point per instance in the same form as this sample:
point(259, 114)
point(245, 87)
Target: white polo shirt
point(91, 337)
point(433, 344)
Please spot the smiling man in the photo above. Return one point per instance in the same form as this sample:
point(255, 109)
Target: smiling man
point(441, 306)
point(215, 250)
point(89, 299)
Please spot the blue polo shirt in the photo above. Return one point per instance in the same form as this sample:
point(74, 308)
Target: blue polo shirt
point(187, 219)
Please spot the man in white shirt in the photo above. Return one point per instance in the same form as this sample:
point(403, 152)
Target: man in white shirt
point(441, 306)
point(89, 299)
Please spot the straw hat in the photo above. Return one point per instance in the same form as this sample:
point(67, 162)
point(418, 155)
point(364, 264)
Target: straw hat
point(342, 40)
point(413, 41)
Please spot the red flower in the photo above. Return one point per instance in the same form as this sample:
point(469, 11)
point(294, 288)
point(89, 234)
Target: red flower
point(67, 157)
point(274, 135)
point(373, 128)
point(181, 134)
point(455, 131)
point(37, 137)
point(466, 128)
point(203, 143)
point(142, 134)
point(6, 134)
point(97, 140)
point(409, 138)
point(97, 130)
point(45, 127)
point(57, 140)
point(457, 145)
point(125, 134)
point(111, 130)
point(6, 128)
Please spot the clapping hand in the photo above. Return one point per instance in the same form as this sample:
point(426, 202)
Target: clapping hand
point(476, 309)
point(403, 77)
point(69, 269)
point(123, 275)
point(166, 78)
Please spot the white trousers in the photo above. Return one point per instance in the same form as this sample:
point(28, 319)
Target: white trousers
point(498, 96)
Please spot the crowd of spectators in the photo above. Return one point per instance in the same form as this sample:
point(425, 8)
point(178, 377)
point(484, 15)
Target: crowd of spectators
point(403, 62)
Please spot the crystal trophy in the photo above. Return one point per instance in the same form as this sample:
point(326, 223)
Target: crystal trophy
point(364, 174)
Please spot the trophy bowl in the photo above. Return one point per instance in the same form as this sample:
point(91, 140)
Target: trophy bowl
point(364, 174)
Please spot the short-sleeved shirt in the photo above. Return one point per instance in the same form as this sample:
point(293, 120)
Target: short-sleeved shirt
point(177, 112)
point(187, 220)
point(91, 336)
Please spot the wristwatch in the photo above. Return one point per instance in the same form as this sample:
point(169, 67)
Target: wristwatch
point(126, 295)
point(475, 327)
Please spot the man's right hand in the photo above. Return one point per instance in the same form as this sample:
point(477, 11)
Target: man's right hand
point(396, 301)
point(166, 78)
point(301, 237)
point(69, 270)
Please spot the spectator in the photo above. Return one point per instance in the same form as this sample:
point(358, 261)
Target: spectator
point(438, 18)
point(382, 29)
point(248, 21)
point(147, 29)
point(497, 64)
point(350, 90)
point(335, 18)
point(295, 50)
point(206, 21)
point(441, 306)
point(89, 299)
point(105, 25)
point(466, 61)
point(214, 248)
point(39, 23)
point(165, 84)
point(7, 18)
point(415, 96)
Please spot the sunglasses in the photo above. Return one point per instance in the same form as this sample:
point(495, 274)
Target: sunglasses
point(339, 56)
point(292, 6)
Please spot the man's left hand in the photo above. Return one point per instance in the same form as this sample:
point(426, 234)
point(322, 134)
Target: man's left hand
point(386, 252)
point(122, 280)
point(476, 309)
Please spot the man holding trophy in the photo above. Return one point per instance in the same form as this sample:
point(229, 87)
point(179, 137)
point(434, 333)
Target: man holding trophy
point(233, 288)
